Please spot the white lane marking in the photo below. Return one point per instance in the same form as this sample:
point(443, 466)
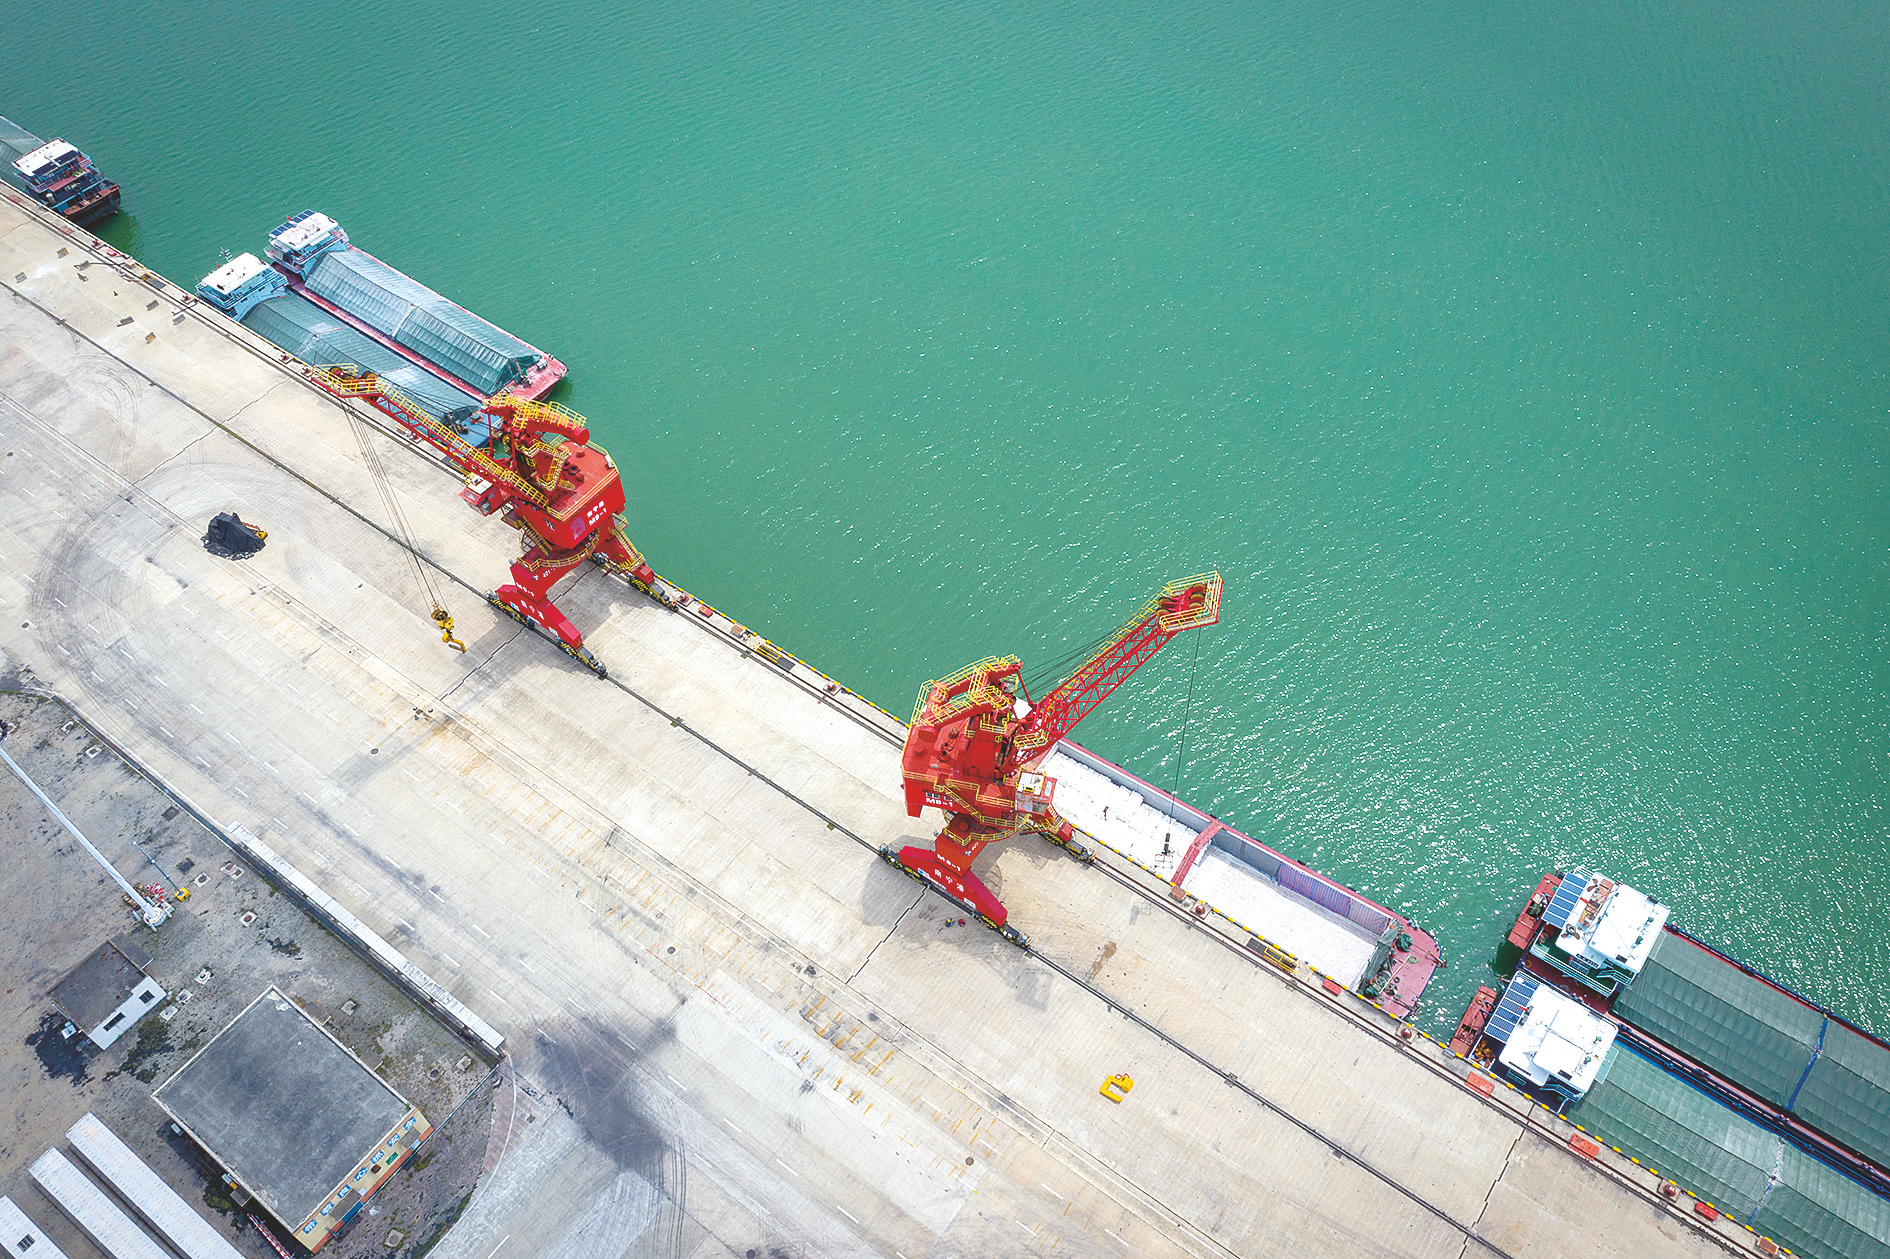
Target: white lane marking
point(232, 738)
point(1053, 1193)
point(350, 830)
point(436, 896)
point(673, 1080)
point(502, 1000)
point(527, 965)
point(1020, 1224)
point(306, 796)
point(59, 601)
point(784, 1167)
point(1112, 1232)
point(403, 922)
point(279, 822)
point(195, 709)
point(733, 1126)
point(239, 791)
point(842, 1210)
point(482, 931)
point(450, 961)
point(167, 734)
point(495, 1249)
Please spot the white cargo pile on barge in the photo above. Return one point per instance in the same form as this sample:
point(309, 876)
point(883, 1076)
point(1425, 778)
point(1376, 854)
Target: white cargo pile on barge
point(1137, 829)
point(1336, 946)
point(1133, 827)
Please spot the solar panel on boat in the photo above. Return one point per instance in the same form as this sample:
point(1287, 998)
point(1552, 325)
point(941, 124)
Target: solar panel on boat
point(1567, 895)
point(1510, 1010)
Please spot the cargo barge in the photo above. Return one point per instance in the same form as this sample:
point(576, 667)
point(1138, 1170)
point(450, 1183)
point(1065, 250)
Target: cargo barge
point(257, 296)
point(1758, 1101)
point(1296, 916)
point(396, 311)
point(56, 174)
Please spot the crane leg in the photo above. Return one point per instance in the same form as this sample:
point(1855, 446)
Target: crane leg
point(946, 866)
point(527, 600)
point(617, 553)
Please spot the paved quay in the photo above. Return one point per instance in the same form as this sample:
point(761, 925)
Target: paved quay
point(732, 1030)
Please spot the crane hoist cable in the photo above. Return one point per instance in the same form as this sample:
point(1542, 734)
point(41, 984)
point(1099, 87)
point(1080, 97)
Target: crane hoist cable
point(442, 619)
point(1044, 678)
point(1181, 754)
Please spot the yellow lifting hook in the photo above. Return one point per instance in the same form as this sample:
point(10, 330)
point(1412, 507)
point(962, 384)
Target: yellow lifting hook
point(1116, 1087)
point(444, 619)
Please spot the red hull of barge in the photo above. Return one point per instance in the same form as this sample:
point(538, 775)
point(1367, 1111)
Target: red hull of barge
point(1523, 934)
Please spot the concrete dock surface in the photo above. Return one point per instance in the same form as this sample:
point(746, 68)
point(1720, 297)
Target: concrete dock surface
point(733, 1031)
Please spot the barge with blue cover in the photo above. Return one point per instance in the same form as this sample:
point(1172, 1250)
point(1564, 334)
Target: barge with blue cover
point(1764, 1105)
point(257, 296)
point(56, 174)
point(396, 311)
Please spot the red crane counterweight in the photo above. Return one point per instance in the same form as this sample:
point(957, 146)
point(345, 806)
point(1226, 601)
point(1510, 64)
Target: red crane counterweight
point(976, 744)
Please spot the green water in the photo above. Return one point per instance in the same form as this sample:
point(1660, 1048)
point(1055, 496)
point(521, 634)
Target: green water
point(1523, 367)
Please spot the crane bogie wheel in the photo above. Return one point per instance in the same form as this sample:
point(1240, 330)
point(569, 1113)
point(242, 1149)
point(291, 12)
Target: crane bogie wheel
point(508, 609)
point(583, 656)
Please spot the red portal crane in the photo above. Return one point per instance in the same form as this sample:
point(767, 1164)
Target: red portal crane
point(538, 468)
point(976, 745)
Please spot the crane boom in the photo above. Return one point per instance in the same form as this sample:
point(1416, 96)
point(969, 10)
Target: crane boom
point(1182, 605)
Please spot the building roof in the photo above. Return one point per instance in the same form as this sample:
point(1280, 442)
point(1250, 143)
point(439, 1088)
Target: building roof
point(1608, 924)
point(20, 1238)
point(101, 983)
point(303, 230)
point(1558, 1042)
point(45, 157)
point(283, 1105)
point(1751, 1175)
point(233, 274)
point(155, 1202)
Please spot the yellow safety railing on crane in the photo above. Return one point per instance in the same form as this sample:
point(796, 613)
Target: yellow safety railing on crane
point(349, 381)
point(543, 411)
point(973, 697)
